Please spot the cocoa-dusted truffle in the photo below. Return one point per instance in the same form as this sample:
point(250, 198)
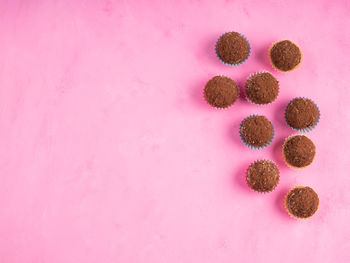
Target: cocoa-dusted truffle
point(256, 131)
point(261, 88)
point(299, 151)
point(232, 48)
point(221, 92)
point(285, 55)
point(302, 113)
point(262, 176)
point(302, 202)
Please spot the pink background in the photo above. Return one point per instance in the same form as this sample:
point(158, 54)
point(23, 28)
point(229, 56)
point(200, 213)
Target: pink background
point(110, 154)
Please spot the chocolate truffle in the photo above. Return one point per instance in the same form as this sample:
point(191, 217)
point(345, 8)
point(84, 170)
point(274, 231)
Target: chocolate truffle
point(299, 151)
point(232, 48)
point(262, 176)
point(302, 113)
point(285, 55)
point(256, 131)
point(302, 202)
point(221, 92)
point(261, 88)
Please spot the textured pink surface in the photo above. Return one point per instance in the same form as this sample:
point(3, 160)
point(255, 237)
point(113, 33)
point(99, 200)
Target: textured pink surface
point(109, 153)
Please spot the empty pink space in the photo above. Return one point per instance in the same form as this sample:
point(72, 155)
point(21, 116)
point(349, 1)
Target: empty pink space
point(109, 153)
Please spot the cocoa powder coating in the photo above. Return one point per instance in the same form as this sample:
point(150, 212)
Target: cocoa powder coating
point(221, 92)
point(301, 113)
point(285, 55)
point(232, 48)
point(256, 130)
point(302, 202)
point(262, 88)
point(299, 151)
point(262, 176)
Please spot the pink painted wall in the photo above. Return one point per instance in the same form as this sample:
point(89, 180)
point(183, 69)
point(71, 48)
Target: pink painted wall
point(108, 152)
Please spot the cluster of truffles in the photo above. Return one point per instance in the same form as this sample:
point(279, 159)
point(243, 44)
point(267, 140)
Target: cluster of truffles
point(256, 131)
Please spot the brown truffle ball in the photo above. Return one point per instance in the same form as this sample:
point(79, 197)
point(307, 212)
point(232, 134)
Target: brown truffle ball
point(256, 131)
point(285, 55)
point(302, 114)
point(221, 92)
point(302, 202)
point(262, 176)
point(232, 48)
point(299, 151)
point(262, 88)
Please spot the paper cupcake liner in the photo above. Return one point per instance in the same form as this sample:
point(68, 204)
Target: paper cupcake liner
point(284, 71)
point(252, 146)
point(222, 108)
point(235, 64)
point(262, 192)
point(308, 129)
point(286, 207)
point(252, 75)
point(284, 157)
